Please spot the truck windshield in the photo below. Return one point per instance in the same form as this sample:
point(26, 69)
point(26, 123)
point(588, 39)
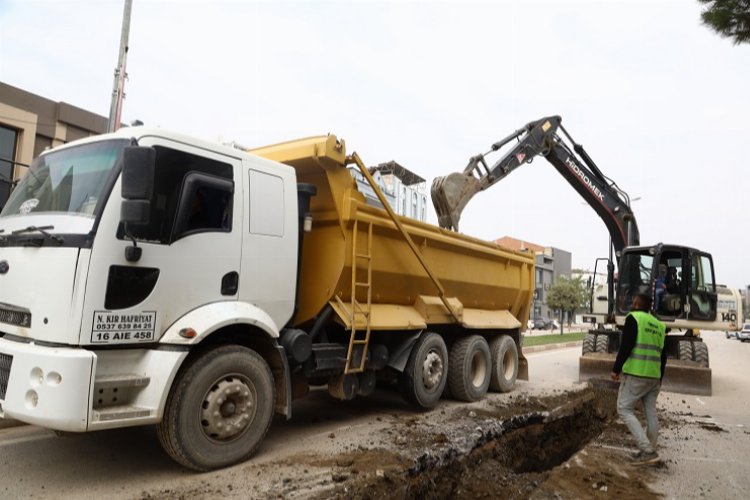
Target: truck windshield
point(70, 180)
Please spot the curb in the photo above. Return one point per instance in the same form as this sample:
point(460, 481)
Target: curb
point(549, 347)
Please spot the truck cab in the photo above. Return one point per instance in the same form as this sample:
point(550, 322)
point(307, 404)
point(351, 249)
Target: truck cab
point(91, 332)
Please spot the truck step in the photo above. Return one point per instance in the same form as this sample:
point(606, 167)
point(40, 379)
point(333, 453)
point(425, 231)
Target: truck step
point(122, 380)
point(123, 412)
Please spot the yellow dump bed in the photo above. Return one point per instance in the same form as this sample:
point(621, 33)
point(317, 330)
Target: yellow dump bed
point(485, 285)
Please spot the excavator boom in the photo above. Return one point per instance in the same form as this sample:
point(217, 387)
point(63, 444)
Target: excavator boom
point(451, 193)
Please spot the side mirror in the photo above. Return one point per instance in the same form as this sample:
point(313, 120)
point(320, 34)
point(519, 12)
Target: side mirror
point(135, 211)
point(138, 164)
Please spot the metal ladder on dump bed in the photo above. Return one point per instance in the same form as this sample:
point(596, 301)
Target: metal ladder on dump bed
point(358, 311)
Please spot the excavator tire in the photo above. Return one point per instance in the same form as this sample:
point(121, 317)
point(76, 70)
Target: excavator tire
point(602, 343)
point(689, 373)
point(701, 353)
point(686, 350)
point(589, 344)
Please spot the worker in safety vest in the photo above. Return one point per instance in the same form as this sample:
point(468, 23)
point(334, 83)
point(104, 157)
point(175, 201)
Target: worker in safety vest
point(639, 368)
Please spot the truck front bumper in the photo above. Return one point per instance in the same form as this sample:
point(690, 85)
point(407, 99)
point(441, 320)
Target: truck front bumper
point(46, 386)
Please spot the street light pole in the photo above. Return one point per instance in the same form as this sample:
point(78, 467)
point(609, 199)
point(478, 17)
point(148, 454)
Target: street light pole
point(118, 90)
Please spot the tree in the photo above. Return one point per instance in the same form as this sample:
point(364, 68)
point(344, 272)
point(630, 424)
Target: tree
point(567, 294)
point(729, 18)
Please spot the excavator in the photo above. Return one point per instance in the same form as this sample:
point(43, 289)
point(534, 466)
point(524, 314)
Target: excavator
point(681, 279)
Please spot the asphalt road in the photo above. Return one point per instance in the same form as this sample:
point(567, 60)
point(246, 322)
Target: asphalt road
point(708, 459)
point(708, 456)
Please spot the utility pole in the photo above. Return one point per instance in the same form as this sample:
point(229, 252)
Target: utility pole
point(118, 90)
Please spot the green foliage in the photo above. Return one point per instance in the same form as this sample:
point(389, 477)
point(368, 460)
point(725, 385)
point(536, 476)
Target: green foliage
point(568, 294)
point(530, 340)
point(729, 18)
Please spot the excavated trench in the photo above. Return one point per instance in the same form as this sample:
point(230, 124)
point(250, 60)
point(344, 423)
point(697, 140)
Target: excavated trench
point(501, 455)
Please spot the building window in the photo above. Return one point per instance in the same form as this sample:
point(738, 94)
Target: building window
point(8, 142)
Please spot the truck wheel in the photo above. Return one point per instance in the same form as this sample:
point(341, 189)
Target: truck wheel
point(701, 353)
point(589, 344)
point(424, 378)
point(602, 343)
point(219, 409)
point(469, 368)
point(504, 355)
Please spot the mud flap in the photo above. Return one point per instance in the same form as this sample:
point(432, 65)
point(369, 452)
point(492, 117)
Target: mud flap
point(684, 377)
point(523, 366)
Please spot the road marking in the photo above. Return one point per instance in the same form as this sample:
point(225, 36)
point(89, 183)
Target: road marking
point(700, 401)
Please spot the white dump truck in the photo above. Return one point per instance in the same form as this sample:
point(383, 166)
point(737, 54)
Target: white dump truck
point(151, 278)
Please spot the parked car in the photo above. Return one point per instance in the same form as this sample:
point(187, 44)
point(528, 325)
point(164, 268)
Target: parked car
point(542, 324)
point(744, 334)
point(732, 335)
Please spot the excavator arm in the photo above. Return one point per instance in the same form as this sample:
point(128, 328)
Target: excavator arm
point(451, 193)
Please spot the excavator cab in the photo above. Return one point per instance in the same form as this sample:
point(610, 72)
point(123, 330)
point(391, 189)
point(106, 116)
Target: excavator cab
point(679, 279)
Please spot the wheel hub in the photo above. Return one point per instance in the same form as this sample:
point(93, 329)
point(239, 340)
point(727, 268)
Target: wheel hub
point(432, 370)
point(228, 408)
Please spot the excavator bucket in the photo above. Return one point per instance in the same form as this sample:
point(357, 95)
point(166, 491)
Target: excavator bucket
point(684, 377)
point(450, 194)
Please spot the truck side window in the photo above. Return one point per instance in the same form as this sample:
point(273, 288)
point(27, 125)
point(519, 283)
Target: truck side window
point(191, 194)
point(205, 205)
point(266, 204)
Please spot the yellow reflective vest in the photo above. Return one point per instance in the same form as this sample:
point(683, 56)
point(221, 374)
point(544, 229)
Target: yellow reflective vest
point(645, 359)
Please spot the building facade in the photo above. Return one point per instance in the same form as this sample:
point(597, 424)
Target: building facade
point(551, 263)
point(29, 124)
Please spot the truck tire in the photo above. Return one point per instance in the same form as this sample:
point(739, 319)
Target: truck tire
point(504, 356)
point(219, 409)
point(426, 373)
point(589, 344)
point(469, 368)
point(602, 343)
point(700, 351)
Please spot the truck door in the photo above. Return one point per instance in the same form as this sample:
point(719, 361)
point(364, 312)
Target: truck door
point(190, 248)
point(702, 296)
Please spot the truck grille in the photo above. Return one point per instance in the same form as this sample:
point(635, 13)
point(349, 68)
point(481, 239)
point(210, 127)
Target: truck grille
point(5, 362)
point(15, 316)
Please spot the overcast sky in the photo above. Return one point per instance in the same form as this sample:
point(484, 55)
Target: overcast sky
point(661, 103)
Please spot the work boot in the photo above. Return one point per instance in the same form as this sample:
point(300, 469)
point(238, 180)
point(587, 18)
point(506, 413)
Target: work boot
point(645, 458)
